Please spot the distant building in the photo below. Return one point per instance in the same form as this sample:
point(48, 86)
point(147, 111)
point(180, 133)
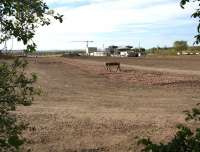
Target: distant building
point(99, 53)
point(112, 50)
point(124, 53)
point(90, 50)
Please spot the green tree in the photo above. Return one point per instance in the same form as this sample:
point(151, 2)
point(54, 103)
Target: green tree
point(20, 18)
point(180, 46)
point(195, 15)
point(15, 88)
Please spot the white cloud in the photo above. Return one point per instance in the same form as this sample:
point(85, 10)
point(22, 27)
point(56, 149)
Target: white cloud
point(107, 16)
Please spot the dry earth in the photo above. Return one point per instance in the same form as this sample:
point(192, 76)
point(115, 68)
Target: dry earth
point(85, 108)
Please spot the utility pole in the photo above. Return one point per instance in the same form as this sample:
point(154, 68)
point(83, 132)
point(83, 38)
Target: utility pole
point(139, 46)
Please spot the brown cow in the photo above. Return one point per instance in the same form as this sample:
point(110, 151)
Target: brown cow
point(108, 65)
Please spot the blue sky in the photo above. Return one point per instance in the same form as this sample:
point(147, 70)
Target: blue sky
point(117, 22)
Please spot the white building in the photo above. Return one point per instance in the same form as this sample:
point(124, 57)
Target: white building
point(124, 54)
point(98, 53)
point(90, 50)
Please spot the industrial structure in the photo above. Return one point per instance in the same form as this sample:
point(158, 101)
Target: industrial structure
point(87, 49)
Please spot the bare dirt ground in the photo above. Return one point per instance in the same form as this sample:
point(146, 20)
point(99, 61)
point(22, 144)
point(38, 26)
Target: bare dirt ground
point(85, 108)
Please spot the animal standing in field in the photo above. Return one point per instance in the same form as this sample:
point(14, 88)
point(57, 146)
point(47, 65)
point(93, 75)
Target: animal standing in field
point(111, 65)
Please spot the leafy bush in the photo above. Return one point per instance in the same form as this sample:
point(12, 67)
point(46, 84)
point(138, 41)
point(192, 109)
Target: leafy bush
point(15, 88)
point(185, 140)
point(180, 46)
point(195, 15)
point(10, 132)
point(18, 19)
point(162, 51)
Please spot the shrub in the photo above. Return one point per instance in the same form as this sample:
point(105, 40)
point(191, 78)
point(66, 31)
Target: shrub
point(185, 140)
point(15, 88)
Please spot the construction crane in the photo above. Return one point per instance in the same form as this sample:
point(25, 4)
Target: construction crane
point(87, 45)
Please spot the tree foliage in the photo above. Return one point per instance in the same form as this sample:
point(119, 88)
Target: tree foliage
point(10, 132)
point(195, 15)
point(15, 88)
point(185, 140)
point(20, 18)
point(180, 45)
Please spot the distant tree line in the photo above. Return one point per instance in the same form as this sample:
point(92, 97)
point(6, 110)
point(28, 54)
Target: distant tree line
point(178, 47)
